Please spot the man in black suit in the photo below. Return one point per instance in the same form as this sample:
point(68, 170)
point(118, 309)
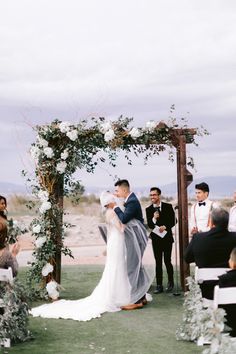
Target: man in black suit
point(225, 281)
point(211, 249)
point(161, 218)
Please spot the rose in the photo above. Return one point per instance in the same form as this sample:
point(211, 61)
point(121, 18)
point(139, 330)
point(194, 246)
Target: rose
point(35, 152)
point(48, 152)
point(64, 154)
point(135, 133)
point(151, 125)
point(104, 127)
point(73, 135)
point(42, 142)
point(36, 229)
point(48, 268)
point(40, 241)
point(109, 135)
point(44, 207)
point(43, 196)
point(61, 166)
point(64, 127)
point(52, 289)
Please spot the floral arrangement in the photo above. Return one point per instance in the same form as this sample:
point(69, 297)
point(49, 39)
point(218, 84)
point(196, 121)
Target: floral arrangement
point(203, 325)
point(15, 228)
point(62, 147)
point(15, 313)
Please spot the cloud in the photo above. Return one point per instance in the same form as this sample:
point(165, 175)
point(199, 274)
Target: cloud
point(76, 59)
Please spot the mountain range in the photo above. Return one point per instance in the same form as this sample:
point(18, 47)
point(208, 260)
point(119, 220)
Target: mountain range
point(220, 187)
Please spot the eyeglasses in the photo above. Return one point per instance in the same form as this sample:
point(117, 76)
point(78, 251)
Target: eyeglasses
point(153, 195)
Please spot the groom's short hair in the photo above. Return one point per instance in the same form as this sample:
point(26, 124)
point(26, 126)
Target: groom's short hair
point(122, 183)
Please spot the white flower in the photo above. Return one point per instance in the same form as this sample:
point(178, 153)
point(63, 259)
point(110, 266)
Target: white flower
point(36, 229)
point(48, 152)
point(151, 125)
point(73, 135)
point(52, 289)
point(48, 268)
point(135, 133)
point(35, 152)
point(42, 142)
point(15, 223)
point(64, 127)
point(44, 207)
point(40, 241)
point(61, 166)
point(43, 196)
point(104, 127)
point(64, 154)
point(109, 135)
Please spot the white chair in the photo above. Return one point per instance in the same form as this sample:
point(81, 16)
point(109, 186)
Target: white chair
point(7, 276)
point(224, 296)
point(203, 274)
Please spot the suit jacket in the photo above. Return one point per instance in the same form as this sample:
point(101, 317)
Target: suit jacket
point(167, 218)
point(225, 281)
point(211, 249)
point(132, 210)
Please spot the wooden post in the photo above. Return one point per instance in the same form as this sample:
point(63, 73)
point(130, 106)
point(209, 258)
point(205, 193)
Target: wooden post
point(183, 207)
point(58, 192)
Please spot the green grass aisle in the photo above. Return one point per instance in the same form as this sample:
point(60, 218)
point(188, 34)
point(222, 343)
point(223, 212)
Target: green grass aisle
point(150, 330)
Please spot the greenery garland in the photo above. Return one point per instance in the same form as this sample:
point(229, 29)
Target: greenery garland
point(203, 325)
point(60, 149)
point(14, 313)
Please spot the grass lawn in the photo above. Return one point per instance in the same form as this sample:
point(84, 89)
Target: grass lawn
point(150, 330)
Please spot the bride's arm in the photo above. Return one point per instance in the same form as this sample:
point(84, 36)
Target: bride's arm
point(111, 218)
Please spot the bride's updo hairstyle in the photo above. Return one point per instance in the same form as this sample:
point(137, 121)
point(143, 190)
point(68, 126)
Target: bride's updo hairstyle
point(106, 198)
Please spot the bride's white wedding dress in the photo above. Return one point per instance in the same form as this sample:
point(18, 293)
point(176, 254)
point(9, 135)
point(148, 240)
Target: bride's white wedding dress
point(112, 291)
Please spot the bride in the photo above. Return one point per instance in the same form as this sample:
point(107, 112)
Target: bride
point(113, 290)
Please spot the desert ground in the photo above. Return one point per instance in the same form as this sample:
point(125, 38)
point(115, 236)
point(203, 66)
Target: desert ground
point(83, 238)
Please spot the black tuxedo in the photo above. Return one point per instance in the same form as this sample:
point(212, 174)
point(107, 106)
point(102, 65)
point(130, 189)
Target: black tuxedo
point(225, 281)
point(211, 249)
point(162, 246)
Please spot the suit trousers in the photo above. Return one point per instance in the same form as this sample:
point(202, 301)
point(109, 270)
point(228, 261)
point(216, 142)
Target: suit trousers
point(162, 247)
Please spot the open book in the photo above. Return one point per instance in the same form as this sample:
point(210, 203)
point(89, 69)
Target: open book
point(157, 231)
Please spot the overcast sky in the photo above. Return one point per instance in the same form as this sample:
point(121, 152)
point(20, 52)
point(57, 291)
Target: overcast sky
point(74, 59)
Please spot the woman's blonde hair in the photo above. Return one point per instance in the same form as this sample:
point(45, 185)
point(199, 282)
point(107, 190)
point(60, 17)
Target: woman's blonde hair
point(233, 257)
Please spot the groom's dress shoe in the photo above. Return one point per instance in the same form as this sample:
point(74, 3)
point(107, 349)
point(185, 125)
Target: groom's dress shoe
point(132, 306)
point(158, 290)
point(170, 287)
point(144, 301)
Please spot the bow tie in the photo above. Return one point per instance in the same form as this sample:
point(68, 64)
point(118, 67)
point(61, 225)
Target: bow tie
point(201, 203)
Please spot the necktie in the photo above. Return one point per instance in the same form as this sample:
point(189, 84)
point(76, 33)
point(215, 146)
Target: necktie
point(201, 203)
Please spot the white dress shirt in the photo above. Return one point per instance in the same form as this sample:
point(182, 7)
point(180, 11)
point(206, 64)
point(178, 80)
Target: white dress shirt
point(232, 219)
point(200, 215)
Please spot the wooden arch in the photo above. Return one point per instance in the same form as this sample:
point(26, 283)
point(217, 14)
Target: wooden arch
point(180, 137)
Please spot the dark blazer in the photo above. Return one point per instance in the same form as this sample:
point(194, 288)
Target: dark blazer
point(132, 210)
point(167, 218)
point(225, 281)
point(211, 249)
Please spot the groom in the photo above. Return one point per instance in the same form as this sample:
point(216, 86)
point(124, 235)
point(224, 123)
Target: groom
point(132, 211)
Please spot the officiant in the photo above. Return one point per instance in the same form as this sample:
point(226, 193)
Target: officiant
point(161, 219)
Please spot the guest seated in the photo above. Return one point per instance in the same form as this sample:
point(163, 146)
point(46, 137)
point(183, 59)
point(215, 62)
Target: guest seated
point(212, 249)
point(7, 258)
point(225, 281)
